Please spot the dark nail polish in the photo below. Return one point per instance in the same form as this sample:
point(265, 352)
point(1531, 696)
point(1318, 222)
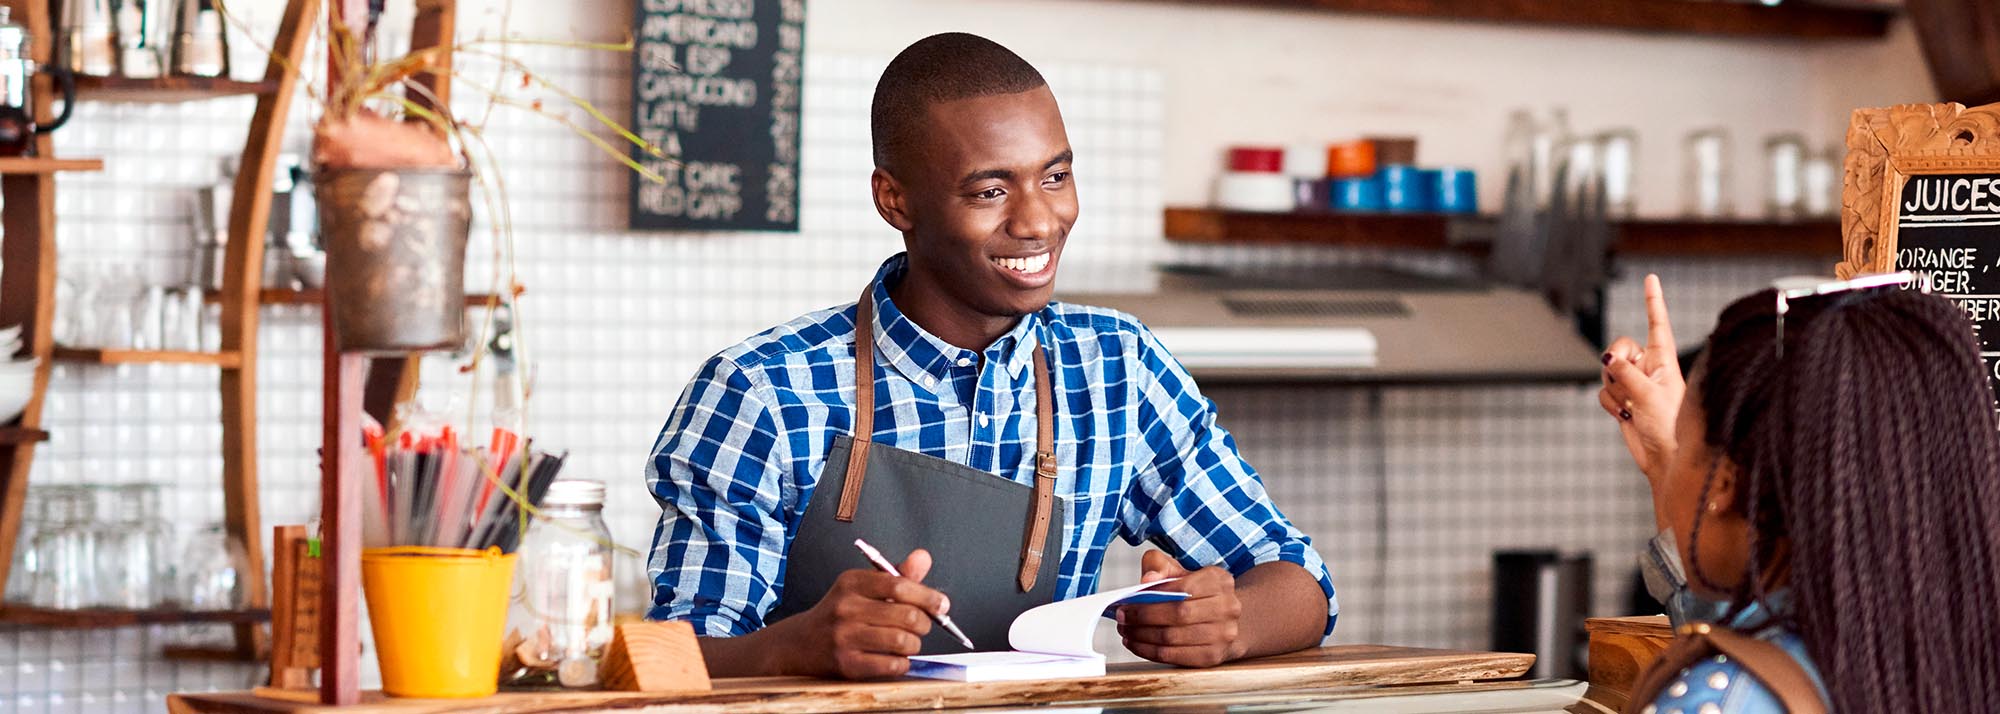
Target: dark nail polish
point(1607, 359)
point(1625, 414)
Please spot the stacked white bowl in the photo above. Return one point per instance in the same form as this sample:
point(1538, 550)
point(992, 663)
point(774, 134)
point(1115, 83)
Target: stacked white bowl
point(17, 375)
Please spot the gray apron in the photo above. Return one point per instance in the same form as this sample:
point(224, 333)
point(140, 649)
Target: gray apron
point(987, 535)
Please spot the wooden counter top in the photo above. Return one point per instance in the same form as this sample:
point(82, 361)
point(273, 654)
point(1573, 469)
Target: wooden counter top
point(1327, 668)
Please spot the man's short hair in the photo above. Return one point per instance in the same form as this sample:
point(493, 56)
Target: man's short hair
point(939, 68)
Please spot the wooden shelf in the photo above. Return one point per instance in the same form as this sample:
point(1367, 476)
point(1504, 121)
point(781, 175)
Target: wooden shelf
point(317, 296)
point(1672, 237)
point(1798, 19)
point(99, 618)
point(1421, 231)
point(1416, 231)
point(164, 89)
point(40, 165)
point(10, 435)
point(102, 356)
point(208, 654)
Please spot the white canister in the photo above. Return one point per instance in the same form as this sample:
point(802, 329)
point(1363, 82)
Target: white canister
point(1239, 191)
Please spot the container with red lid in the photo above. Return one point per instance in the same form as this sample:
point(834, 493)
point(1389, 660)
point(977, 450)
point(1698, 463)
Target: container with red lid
point(1256, 159)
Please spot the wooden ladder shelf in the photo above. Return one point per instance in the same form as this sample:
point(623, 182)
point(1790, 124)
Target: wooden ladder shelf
point(27, 297)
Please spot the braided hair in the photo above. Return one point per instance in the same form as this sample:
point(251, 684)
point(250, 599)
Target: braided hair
point(1868, 448)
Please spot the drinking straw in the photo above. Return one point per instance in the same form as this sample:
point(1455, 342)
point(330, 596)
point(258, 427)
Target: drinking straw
point(505, 443)
point(541, 474)
point(375, 502)
point(454, 513)
point(490, 514)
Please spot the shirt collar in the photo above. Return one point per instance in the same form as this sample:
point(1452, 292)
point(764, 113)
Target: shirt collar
point(925, 358)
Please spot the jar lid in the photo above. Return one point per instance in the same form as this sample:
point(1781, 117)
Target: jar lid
point(575, 492)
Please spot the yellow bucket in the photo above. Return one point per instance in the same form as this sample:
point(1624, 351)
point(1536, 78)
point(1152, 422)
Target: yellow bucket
point(438, 615)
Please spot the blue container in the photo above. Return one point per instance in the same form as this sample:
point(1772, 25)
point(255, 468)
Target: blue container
point(1362, 194)
point(1404, 188)
point(1456, 190)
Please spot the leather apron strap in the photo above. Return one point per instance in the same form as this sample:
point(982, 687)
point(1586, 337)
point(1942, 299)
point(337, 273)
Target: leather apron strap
point(1781, 675)
point(864, 434)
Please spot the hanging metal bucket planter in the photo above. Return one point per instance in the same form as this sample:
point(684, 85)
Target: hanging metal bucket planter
point(395, 243)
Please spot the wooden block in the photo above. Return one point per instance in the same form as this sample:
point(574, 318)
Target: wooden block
point(1623, 648)
point(295, 610)
point(654, 657)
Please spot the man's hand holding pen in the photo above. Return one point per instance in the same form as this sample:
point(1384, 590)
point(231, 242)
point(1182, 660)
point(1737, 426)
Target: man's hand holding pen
point(869, 624)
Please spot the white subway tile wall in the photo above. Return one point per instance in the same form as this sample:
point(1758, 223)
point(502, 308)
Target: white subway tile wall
point(615, 322)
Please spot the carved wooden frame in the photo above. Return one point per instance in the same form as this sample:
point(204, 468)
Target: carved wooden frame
point(1885, 147)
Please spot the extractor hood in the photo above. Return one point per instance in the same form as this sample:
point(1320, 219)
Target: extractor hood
point(1357, 325)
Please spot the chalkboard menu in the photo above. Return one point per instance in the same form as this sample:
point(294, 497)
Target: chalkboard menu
point(1948, 228)
point(716, 85)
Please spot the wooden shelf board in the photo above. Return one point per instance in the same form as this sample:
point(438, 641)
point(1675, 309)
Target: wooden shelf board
point(99, 618)
point(41, 165)
point(1798, 19)
point(101, 356)
point(208, 654)
point(1686, 237)
point(10, 435)
point(317, 296)
point(1663, 237)
point(1422, 231)
point(164, 89)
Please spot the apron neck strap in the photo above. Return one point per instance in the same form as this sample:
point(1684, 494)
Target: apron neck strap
point(863, 437)
point(864, 388)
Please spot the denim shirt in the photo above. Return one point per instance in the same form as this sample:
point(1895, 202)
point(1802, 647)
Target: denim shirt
point(1718, 684)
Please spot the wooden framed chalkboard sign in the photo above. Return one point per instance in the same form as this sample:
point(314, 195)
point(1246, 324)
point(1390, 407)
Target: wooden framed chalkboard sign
point(716, 84)
point(1923, 194)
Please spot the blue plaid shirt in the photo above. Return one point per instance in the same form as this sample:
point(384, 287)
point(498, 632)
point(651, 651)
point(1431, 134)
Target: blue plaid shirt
point(1141, 455)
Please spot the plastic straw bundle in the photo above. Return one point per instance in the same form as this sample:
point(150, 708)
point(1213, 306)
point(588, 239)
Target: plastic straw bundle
point(431, 490)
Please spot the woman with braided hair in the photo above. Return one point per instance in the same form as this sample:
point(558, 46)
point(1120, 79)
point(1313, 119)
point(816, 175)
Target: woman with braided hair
point(1831, 485)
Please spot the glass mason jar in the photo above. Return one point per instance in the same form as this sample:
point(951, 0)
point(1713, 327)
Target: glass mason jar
point(562, 603)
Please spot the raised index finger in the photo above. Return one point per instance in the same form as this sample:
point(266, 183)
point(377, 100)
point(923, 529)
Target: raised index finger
point(1659, 328)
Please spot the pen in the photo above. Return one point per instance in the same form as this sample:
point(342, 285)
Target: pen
point(882, 564)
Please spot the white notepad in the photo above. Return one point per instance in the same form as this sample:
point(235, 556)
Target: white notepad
point(1050, 642)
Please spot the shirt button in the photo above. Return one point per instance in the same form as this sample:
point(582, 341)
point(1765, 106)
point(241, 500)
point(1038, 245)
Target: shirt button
point(983, 421)
point(929, 381)
point(964, 361)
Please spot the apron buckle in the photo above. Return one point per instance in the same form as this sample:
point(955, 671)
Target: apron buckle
point(1045, 464)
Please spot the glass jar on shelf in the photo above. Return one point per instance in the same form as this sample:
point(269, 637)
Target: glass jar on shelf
point(66, 551)
point(212, 569)
point(21, 575)
point(129, 549)
point(563, 591)
point(161, 541)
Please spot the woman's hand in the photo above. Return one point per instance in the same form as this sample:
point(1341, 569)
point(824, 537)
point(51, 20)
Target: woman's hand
point(1643, 387)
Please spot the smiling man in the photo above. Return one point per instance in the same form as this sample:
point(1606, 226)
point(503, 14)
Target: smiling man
point(955, 414)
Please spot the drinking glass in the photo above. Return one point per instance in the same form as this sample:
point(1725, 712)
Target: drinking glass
point(1617, 153)
point(117, 305)
point(1822, 182)
point(1708, 184)
point(126, 559)
point(149, 318)
point(80, 308)
point(214, 566)
point(66, 551)
point(159, 536)
point(21, 576)
point(1784, 164)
